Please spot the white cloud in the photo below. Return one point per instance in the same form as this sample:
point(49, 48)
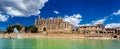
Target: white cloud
point(3, 18)
point(92, 23)
point(22, 7)
point(51, 17)
point(112, 25)
point(13, 11)
point(117, 13)
point(74, 19)
point(56, 12)
point(100, 21)
point(85, 25)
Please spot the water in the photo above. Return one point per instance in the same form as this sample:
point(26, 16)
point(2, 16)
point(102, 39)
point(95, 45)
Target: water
point(17, 33)
point(58, 44)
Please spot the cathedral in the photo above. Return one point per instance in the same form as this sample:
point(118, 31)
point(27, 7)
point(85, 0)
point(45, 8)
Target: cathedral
point(53, 25)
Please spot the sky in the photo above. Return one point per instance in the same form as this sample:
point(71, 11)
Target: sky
point(76, 12)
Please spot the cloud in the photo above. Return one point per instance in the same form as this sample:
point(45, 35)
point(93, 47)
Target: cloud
point(117, 13)
point(56, 12)
point(51, 17)
point(22, 7)
point(3, 18)
point(100, 21)
point(92, 23)
point(14, 12)
point(85, 25)
point(112, 25)
point(74, 19)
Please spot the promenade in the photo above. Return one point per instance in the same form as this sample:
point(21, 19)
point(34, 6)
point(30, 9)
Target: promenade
point(65, 36)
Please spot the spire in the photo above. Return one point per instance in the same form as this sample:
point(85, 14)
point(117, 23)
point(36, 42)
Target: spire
point(38, 21)
point(60, 18)
point(35, 21)
point(42, 18)
point(38, 16)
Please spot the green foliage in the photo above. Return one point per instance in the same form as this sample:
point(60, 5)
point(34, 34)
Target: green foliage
point(32, 29)
point(11, 28)
point(18, 27)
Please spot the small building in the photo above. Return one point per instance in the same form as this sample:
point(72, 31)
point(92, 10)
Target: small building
point(110, 30)
point(22, 30)
point(99, 28)
point(117, 30)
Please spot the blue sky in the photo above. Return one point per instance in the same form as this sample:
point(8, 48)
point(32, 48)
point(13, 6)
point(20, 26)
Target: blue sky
point(77, 12)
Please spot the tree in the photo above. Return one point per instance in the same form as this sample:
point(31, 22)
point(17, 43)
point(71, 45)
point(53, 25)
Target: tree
point(32, 29)
point(11, 28)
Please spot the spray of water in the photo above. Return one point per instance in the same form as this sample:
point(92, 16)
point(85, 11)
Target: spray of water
point(17, 33)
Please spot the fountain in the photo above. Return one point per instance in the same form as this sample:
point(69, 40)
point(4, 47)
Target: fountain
point(17, 33)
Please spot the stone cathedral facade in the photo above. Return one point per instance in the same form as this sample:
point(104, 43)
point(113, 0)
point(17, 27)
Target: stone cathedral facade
point(54, 25)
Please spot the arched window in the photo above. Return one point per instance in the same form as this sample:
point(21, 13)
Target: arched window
point(44, 29)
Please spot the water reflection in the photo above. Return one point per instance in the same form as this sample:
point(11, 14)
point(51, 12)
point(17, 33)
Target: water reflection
point(58, 44)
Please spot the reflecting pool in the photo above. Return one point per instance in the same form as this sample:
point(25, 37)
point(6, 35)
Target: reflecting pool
point(8, 43)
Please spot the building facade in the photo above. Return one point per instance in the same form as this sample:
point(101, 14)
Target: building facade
point(110, 30)
point(55, 25)
point(99, 28)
